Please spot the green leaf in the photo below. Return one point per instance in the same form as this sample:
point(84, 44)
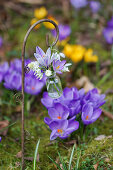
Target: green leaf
point(54, 163)
point(35, 155)
point(71, 157)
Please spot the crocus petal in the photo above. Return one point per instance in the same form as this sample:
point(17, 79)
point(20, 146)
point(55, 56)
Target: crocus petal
point(40, 51)
point(53, 135)
point(47, 120)
point(53, 113)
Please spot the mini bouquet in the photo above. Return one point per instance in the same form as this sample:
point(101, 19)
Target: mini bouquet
point(48, 64)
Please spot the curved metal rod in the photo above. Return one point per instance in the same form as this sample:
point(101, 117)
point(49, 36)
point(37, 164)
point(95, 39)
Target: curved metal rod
point(23, 72)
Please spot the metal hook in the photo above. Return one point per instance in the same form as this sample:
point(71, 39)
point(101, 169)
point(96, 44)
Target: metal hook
point(23, 70)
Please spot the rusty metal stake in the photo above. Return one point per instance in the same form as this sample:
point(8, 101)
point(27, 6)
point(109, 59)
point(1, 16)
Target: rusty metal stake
point(23, 72)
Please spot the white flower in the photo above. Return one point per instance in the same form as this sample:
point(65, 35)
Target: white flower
point(66, 69)
point(57, 56)
point(62, 55)
point(48, 73)
point(33, 65)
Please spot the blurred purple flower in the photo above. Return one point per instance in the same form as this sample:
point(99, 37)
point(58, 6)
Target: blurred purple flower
point(90, 114)
point(16, 65)
point(58, 66)
point(1, 42)
point(63, 128)
point(32, 85)
point(95, 6)
point(0, 138)
point(64, 32)
point(3, 70)
point(12, 80)
point(108, 35)
point(110, 23)
point(58, 112)
point(79, 3)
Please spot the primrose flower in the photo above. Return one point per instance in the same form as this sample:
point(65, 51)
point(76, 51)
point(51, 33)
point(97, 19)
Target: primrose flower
point(108, 34)
point(58, 112)
point(1, 42)
point(34, 20)
point(49, 25)
point(89, 57)
point(63, 128)
point(89, 114)
point(40, 13)
point(79, 3)
point(58, 66)
point(62, 34)
point(95, 6)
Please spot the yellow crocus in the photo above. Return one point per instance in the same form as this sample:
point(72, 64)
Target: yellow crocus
point(49, 25)
point(68, 50)
point(40, 13)
point(63, 42)
point(89, 57)
point(34, 20)
point(78, 53)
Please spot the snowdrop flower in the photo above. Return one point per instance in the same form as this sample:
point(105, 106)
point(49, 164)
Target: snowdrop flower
point(33, 65)
point(66, 69)
point(48, 73)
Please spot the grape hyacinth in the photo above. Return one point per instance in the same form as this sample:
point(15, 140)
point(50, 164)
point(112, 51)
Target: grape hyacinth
point(64, 110)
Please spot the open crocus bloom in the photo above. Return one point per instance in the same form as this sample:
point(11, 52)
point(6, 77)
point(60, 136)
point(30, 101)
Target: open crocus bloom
point(95, 6)
point(79, 3)
point(44, 59)
point(63, 128)
point(59, 112)
point(89, 114)
point(58, 66)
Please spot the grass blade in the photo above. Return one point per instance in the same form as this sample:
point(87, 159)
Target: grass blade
point(54, 163)
point(7, 127)
point(62, 162)
point(71, 157)
point(35, 156)
point(77, 164)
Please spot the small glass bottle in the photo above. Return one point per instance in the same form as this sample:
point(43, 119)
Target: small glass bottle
point(54, 86)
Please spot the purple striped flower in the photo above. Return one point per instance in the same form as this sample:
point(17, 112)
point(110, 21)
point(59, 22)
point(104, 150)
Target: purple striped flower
point(3, 70)
point(58, 66)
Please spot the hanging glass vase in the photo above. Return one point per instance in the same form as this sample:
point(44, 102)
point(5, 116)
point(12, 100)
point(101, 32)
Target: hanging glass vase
point(54, 86)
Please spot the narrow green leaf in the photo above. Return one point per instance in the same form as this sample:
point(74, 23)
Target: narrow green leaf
point(71, 157)
point(35, 155)
point(62, 162)
point(54, 163)
point(77, 164)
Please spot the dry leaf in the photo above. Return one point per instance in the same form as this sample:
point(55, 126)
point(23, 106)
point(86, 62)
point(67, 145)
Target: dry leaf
point(19, 154)
point(108, 114)
point(100, 137)
point(72, 142)
point(96, 166)
point(4, 124)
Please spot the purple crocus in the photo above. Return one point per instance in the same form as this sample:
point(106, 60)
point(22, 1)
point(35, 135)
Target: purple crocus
point(58, 66)
point(44, 59)
point(3, 70)
point(16, 65)
point(110, 23)
point(57, 113)
point(1, 42)
point(79, 3)
point(0, 138)
point(95, 98)
point(95, 6)
point(108, 35)
point(64, 32)
point(63, 128)
point(12, 80)
point(90, 114)
point(47, 101)
point(32, 85)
